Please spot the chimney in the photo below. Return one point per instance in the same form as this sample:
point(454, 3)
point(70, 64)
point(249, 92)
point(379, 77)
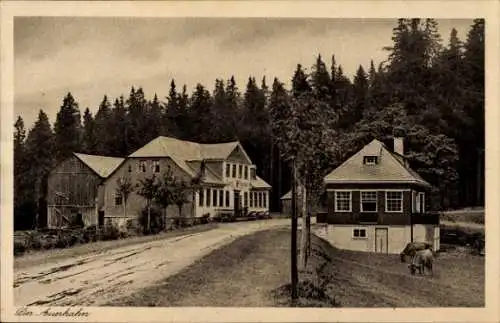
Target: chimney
point(399, 147)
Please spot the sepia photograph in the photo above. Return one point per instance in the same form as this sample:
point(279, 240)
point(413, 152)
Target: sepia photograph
point(246, 162)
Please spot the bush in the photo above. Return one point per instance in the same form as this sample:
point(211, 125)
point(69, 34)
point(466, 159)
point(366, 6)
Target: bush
point(110, 232)
point(156, 221)
point(19, 248)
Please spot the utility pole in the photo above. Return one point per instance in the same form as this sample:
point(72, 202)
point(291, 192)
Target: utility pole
point(294, 233)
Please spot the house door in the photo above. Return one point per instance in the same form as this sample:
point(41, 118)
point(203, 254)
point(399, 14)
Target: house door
point(381, 240)
point(429, 234)
point(101, 218)
point(236, 203)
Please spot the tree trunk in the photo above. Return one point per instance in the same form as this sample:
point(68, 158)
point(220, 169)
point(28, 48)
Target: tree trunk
point(303, 239)
point(294, 272)
point(149, 217)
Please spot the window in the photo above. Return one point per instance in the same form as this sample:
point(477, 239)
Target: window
point(221, 198)
point(369, 201)
point(234, 170)
point(251, 199)
point(264, 199)
point(142, 166)
point(228, 170)
point(260, 199)
point(240, 171)
point(359, 233)
point(208, 197)
point(130, 168)
point(420, 202)
point(227, 198)
point(118, 199)
point(246, 172)
point(252, 173)
point(214, 196)
point(342, 201)
point(156, 166)
point(370, 160)
point(245, 198)
point(394, 201)
point(201, 197)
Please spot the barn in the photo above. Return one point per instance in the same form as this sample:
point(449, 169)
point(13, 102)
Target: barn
point(75, 191)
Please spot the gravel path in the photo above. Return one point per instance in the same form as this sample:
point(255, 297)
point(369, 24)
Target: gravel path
point(98, 278)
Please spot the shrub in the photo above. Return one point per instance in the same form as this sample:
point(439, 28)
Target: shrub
point(156, 221)
point(110, 232)
point(19, 247)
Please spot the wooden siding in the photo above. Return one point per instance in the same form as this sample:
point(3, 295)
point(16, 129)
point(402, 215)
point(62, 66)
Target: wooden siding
point(76, 181)
point(79, 186)
point(381, 217)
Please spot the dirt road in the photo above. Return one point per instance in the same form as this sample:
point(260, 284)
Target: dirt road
point(97, 278)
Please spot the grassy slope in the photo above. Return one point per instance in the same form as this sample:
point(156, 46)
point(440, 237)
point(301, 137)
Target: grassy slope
point(35, 257)
point(254, 271)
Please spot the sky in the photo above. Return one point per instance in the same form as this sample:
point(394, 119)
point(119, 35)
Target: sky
point(91, 57)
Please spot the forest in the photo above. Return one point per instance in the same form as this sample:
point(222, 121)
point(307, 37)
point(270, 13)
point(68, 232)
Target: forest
point(430, 91)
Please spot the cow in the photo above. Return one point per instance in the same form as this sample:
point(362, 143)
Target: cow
point(423, 259)
point(412, 247)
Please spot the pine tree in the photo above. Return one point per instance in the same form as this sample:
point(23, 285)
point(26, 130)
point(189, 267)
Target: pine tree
point(68, 129)
point(200, 106)
point(154, 117)
point(360, 96)
point(171, 116)
point(103, 131)
point(89, 141)
point(300, 82)
point(40, 151)
point(21, 180)
point(320, 80)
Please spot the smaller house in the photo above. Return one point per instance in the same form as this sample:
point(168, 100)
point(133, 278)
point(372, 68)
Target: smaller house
point(75, 191)
point(377, 203)
point(286, 202)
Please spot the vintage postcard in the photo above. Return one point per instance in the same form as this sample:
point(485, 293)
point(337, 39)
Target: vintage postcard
point(249, 161)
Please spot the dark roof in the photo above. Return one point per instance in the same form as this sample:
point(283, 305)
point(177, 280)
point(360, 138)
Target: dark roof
point(390, 168)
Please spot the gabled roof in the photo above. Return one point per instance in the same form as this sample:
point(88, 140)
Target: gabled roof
point(185, 150)
point(391, 168)
point(259, 183)
point(102, 165)
point(188, 154)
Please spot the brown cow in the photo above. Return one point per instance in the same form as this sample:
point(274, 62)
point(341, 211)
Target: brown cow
point(412, 247)
point(423, 259)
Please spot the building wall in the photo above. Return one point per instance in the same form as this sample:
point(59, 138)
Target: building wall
point(135, 203)
point(341, 236)
point(381, 217)
point(79, 184)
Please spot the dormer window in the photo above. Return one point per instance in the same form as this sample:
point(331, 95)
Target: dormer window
point(370, 160)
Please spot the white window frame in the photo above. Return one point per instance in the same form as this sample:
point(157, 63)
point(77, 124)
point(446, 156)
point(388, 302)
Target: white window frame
point(421, 199)
point(350, 200)
point(387, 204)
point(361, 200)
point(359, 231)
point(118, 196)
point(153, 166)
point(373, 162)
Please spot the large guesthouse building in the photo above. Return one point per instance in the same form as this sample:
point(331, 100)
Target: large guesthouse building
point(229, 180)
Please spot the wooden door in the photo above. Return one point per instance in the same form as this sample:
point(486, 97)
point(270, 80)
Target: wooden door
point(381, 240)
point(236, 203)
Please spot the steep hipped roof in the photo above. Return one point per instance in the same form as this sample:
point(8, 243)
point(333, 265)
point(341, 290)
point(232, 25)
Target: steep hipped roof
point(184, 153)
point(102, 165)
point(259, 183)
point(391, 168)
point(185, 150)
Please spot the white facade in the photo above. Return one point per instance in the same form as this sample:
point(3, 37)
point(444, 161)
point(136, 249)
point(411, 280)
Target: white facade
point(377, 238)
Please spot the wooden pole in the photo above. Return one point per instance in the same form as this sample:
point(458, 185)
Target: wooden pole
point(294, 234)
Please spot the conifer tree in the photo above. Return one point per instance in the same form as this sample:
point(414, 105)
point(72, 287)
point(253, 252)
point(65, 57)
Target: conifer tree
point(89, 141)
point(68, 129)
point(103, 133)
point(40, 151)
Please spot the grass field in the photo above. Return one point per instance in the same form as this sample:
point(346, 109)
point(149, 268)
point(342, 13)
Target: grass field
point(255, 271)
